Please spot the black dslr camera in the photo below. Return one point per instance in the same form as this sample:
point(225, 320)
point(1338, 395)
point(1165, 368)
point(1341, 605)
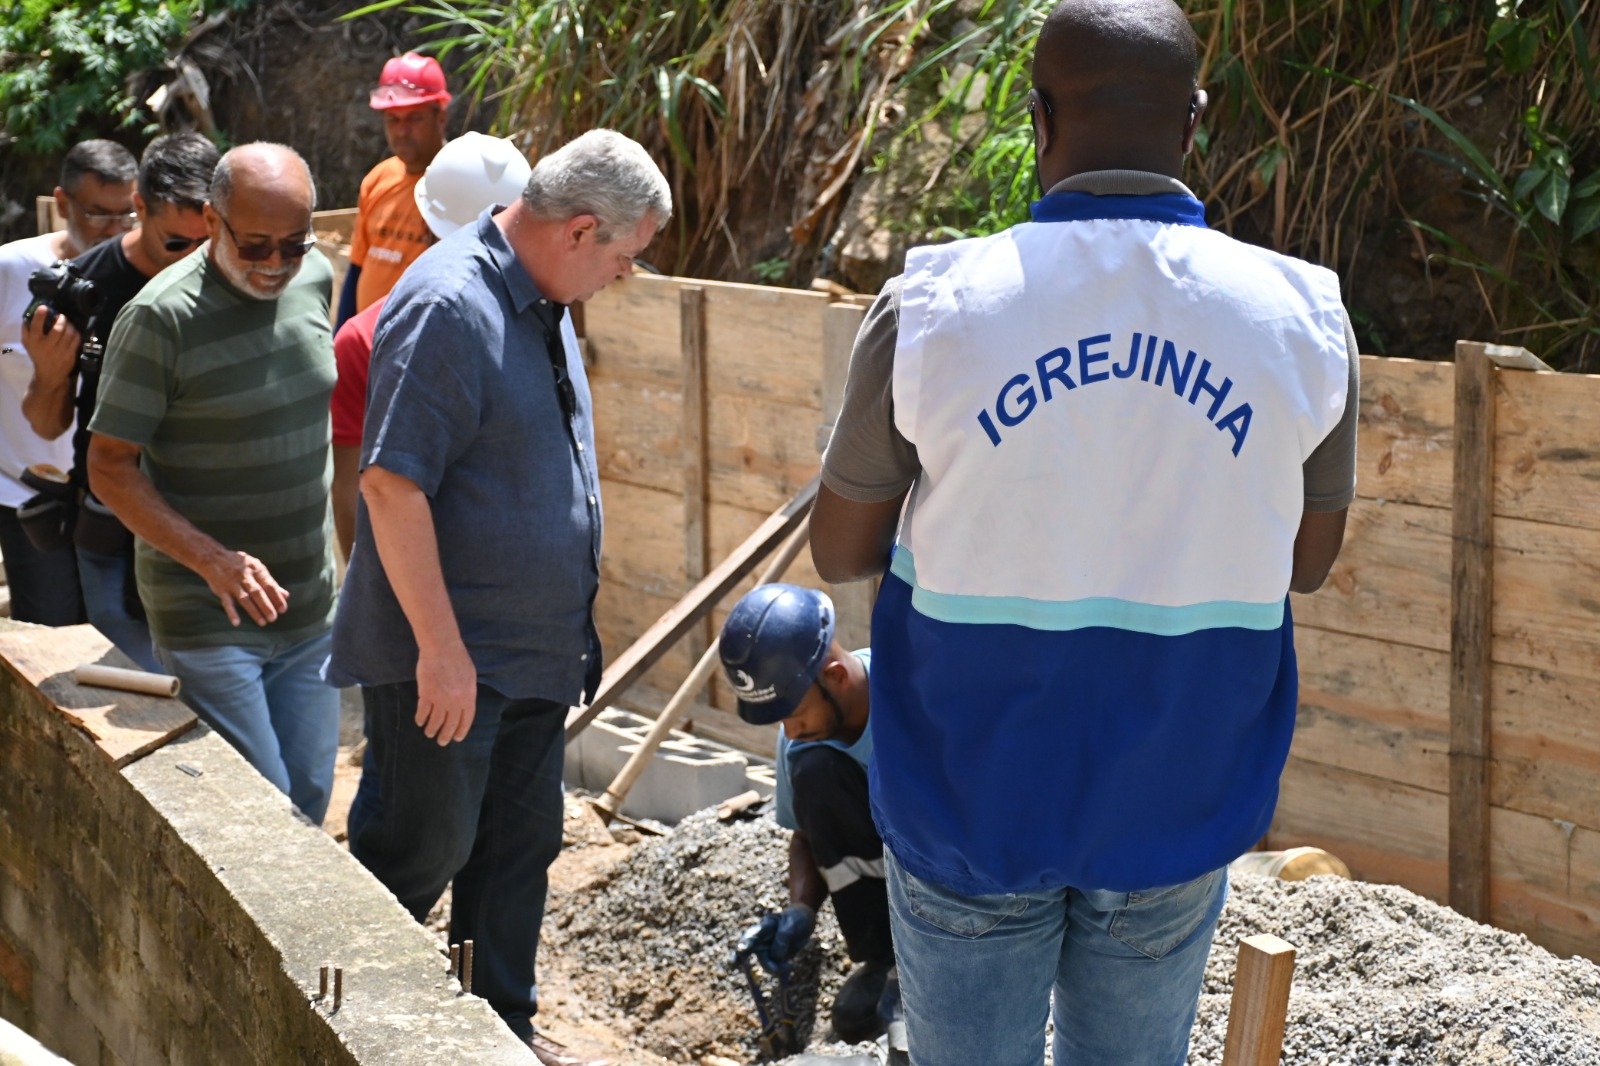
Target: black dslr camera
point(61, 290)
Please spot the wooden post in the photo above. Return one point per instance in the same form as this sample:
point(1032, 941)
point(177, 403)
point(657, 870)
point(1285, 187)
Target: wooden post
point(1471, 604)
point(44, 212)
point(1472, 616)
point(696, 516)
point(1260, 1007)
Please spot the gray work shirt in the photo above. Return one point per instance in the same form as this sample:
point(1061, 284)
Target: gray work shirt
point(869, 460)
point(473, 397)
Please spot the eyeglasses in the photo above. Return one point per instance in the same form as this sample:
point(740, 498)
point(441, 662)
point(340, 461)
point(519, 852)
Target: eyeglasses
point(121, 219)
point(260, 253)
point(183, 244)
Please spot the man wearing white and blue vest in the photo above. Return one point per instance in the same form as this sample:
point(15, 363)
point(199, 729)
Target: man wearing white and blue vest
point(1126, 438)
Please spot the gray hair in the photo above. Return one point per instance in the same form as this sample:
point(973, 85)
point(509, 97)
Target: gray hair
point(222, 176)
point(604, 174)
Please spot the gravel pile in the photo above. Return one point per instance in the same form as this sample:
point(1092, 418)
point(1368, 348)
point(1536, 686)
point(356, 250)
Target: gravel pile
point(653, 938)
point(1382, 976)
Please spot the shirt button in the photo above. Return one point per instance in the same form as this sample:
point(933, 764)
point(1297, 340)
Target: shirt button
point(544, 303)
point(584, 657)
point(591, 501)
point(580, 445)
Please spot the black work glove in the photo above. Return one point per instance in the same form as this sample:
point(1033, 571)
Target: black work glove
point(777, 938)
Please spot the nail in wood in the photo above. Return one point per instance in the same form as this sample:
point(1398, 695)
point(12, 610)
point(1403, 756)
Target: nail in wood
point(338, 986)
point(466, 965)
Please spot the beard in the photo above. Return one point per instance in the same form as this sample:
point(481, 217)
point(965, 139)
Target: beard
point(255, 280)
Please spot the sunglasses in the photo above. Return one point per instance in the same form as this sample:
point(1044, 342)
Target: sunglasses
point(260, 253)
point(183, 244)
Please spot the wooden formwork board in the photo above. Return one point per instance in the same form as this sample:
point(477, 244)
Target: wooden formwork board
point(1392, 582)
point(1546, 463)
point(1544, 873)
point(1382, 709)
point(763, 358)
point(1369, 775)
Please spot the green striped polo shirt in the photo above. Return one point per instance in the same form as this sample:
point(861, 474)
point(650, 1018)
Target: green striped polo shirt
point(228, 398)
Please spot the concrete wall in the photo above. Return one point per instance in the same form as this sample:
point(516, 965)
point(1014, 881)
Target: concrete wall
point(176, 909)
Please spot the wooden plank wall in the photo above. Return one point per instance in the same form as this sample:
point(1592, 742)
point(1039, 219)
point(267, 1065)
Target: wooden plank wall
point(763, 354)
point(1369, 772)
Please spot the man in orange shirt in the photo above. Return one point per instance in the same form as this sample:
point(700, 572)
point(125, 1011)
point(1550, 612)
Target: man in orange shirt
point(389, 231)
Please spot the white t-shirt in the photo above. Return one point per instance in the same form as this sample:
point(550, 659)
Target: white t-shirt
point(20, 446)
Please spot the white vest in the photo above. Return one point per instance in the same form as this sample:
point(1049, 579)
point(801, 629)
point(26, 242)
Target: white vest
point(1084, 664)
point(1078, 392)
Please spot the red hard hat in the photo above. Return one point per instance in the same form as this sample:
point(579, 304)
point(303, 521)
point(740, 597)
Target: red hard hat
point(410, 80)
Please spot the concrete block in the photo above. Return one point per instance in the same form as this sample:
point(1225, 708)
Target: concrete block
point(20, 1049)
point(761, 777)
point(61, 1026)
point(16, 970)
point(688, 773)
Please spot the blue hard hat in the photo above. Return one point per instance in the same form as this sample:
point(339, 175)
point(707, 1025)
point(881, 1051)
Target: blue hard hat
point(773, 645)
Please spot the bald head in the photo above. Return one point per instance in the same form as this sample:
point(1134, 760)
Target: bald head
point(1117, 78)
point(266, 173)
point(259, 216)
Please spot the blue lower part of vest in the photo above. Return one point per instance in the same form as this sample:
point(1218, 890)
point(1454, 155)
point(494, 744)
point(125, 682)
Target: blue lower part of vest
point(1011, 759)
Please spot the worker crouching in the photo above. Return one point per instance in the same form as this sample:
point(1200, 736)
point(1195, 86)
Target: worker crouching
point(779, 653)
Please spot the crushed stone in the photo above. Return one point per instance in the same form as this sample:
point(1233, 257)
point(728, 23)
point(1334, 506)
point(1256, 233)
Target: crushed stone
point(1383, 977)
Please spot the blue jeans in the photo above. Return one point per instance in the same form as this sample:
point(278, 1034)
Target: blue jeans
point(271, 705)
point(106, 580)
point(484, 812)
point(976, 972)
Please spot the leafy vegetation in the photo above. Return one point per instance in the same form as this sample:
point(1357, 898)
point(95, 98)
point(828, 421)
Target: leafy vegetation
point(63, 66)
point(1453, 140)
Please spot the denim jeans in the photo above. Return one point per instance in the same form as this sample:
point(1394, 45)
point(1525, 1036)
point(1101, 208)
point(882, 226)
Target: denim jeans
point(484, 812)
point(977, 972)
point(271, 705)
point(106, 580)
point(44, 585)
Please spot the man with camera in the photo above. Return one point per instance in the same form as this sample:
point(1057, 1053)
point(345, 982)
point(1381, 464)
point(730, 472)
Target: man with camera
point(211, 444)
point(95, 197)
point(172, 188)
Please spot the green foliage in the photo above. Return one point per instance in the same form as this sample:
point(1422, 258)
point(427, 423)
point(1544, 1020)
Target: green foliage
point(710, 86)
point(1318, 110)
point(771, 271)
point(1338, 129)
point(63, 65)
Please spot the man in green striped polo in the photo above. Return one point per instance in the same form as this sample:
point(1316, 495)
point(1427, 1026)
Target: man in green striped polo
point(211, 444)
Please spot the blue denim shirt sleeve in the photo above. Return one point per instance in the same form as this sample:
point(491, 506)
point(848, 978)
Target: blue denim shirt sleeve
point(422, 410)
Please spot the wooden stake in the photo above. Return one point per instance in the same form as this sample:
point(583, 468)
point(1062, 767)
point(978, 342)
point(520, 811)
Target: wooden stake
point(696, 461)
point(1471, 629)
point(1260, 1006)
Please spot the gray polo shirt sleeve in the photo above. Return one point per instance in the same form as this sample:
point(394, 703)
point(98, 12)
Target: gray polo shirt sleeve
point(868, 460)
point(1330, 469)
point(422, 412)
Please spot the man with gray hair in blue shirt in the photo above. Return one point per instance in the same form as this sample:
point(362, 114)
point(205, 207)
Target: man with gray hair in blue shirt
point(467, 612)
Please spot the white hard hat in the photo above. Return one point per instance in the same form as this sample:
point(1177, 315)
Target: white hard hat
point(469, 174)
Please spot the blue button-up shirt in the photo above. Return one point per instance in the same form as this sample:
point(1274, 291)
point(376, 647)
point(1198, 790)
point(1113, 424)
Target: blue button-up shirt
point(473, 396)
